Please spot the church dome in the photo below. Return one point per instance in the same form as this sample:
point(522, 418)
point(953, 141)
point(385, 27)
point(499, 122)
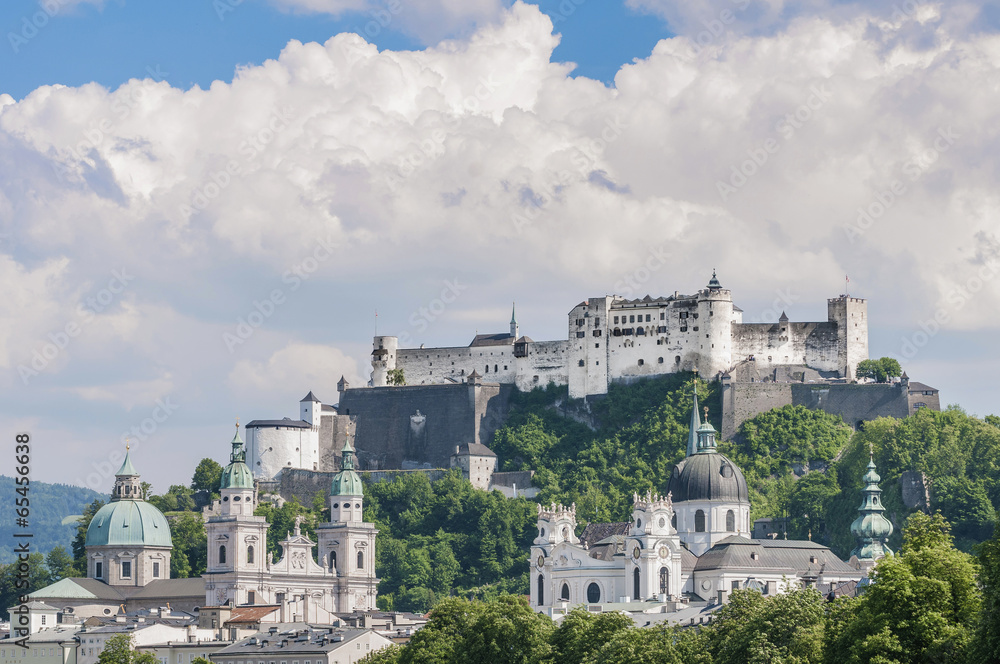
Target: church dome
point(129, 523)
point(128, 520)
point(347, 482)
point(708, 476)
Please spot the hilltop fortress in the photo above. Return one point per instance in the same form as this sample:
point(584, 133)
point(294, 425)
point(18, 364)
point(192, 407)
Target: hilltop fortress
point(455, 398)
point(611, 339)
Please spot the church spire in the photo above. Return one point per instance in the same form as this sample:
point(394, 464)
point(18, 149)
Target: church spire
point(695, 423)
point(871, 528)
point(513, 322)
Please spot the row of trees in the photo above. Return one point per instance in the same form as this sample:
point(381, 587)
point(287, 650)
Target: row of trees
point(931, 603)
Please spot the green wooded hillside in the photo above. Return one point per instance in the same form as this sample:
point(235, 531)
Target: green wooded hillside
point(50, 506)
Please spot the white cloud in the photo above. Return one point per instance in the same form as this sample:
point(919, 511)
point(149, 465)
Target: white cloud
point(345, 179)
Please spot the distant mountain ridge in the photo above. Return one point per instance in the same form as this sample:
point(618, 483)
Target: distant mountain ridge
point(50, 506)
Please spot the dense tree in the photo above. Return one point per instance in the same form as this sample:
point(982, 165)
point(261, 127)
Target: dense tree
point(178, 498)
point(80, 541)
point(207, 476)
point(59, 563)
point(38, 577)
point(388, 655)
point(880, 370)
point(787, 627)
point(189, 557)
point(582, 633)
point(986, 646)
point(119, 649)
point(922, 607)
point(395, 377)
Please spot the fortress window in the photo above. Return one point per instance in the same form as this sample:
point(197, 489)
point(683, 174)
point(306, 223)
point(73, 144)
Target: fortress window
point(505, 367)
point(684, 329)
point(659, 360)
point(579, 322)
point(647, 318)
point(711, 313)
point(494, 368)
point(663, 315)
point(631, 319)
point(581, 364)
point(677, 359)
point(581, 335)
point(597, 321)
point(598, 333)
point(699, 521)
point(695, 328)
point(487, 368)
point(641, 362)
point(597, 345)
point(617, 332)
point(616, 320)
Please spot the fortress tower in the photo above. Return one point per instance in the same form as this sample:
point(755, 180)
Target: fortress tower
point(850, 314)
point(383, 360)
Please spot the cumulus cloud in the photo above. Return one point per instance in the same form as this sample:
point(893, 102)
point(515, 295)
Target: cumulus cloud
point(337, 179)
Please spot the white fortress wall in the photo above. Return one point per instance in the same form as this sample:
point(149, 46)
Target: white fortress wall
point(269, 449)
point(423, 366)
point(546, 362)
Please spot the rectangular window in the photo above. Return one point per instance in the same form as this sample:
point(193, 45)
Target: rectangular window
point(663, 316)
point(251, 597)
point(597, 321)
point(127, 569)
point(631, 319)
point(647, 318)
point(736, 585)
point(98, 570)
point(43, 620)
point(616, 320)
point(156, 570)
point(598, 333)
point(581, 335)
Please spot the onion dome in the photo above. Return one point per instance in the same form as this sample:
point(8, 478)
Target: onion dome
point(128, 520)
point(347, 482)
point(237, 474)
point(707, 474)
point(871, 528)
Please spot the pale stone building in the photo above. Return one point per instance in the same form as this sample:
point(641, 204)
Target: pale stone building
point(612, 339)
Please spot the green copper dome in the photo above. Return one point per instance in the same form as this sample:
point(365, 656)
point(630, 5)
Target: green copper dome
point(129, 523)
point(871, 528)
point(237, 474)
point(347, 482)
point(128, 520)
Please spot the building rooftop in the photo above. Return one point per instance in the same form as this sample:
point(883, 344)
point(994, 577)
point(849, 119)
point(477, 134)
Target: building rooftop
point(299, 639)
point(503, 339)
point(475, 449)
point(806, 558)
point(286, 422)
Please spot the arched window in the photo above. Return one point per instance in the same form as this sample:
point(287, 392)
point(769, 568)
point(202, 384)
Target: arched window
point(730, 522)
point(635, 583)
point(361, 559)
point(564, 593)
point(333, 560)
point(699, 521)
point(222, 555)
point(250, 555)
point(593, 593)
point(664, 581)
point(541, 590)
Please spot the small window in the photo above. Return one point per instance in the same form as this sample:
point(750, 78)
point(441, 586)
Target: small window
point(250, 555)
point(126, 569)
point(641, 362)
point(631, 319)
point(251, 597)
point(361, 559)
point(593, 593)
point(222, 555)
point(647, 318)
point(730, 522)
point(564, 593)
point(156, 570)
point(659, 360)
point(699, 521)
point(98, 570)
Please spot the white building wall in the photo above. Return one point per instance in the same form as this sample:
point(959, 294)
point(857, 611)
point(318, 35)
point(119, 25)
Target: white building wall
point(269, 449)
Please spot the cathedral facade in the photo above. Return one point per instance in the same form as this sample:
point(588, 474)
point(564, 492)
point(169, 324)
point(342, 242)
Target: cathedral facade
point(128, 547)
point(694, 543)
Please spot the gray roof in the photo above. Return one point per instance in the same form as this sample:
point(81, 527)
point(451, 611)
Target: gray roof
point(311, 396)
point(286, 422)
point(475, 449)
point(503, 339)
point(173, 588)
point(78, 588)
point(526, 339)
point(921, 387)
point(705, 476)
point(772, 555)
point(596, 532)
point(298, 639)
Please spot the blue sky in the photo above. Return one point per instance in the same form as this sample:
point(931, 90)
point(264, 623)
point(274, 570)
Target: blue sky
point(194, 42)
point(784, 142)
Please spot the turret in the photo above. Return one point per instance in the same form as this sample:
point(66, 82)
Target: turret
point(310, 409)
point(383, 359)
point(513, 323)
